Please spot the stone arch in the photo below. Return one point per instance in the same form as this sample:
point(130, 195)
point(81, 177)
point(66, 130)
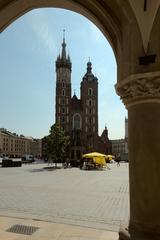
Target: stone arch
point(123, 22)
point(109, 17)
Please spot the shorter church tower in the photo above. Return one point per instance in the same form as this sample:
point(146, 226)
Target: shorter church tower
point(89, 98)
point(63, 88)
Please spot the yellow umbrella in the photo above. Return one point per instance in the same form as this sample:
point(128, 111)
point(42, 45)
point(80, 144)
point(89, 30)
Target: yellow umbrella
point(110, 157)
point(98, 158)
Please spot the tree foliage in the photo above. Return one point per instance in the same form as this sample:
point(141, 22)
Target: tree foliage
point(57, 144)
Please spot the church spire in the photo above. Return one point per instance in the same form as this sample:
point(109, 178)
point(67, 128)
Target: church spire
point(63, 54)
point(89, 67)
point(63, 59)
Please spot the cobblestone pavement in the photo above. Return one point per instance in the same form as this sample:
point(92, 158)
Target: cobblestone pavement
point(96, 199)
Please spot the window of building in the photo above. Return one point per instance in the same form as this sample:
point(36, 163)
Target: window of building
point(77, 121)
point(63, 110)
point(63, 92)
point(90, 111)
point(90, 91)
point(90, 129)
point(63, 84)
point(63, 119)
point(67, 110)
point(90, 102)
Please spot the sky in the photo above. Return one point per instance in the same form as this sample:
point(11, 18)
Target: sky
point(29, 48)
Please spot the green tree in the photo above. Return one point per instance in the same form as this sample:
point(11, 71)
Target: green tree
point(57, 144)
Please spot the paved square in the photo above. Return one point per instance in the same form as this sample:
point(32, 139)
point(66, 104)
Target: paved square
point(96, 199)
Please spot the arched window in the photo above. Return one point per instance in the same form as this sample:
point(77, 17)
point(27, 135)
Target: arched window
point(63, 92)
point(90, 102)
point(63, 119)
point(77, 121)
point(90, 91)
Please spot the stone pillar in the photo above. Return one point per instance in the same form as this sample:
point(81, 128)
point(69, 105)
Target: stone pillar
point(141, 96)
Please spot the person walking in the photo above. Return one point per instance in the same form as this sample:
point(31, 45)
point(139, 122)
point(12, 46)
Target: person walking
point(118, 159)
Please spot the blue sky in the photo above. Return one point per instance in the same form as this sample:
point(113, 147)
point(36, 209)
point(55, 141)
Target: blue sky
point(29, 48)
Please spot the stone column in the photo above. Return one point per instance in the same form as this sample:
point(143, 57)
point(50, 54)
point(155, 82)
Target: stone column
point(141, 96)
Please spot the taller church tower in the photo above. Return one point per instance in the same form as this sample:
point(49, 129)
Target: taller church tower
point(63, 88)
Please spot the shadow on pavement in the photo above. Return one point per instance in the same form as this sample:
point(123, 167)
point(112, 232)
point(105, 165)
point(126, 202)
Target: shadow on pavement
point(52, 168)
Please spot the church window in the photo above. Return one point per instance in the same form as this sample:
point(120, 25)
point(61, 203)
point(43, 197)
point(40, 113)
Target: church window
point(63, 92)
point(63, 119)
point(90, 91)
point(90, 102)
point(63, 84)
point(63, 110)
point(77, 121)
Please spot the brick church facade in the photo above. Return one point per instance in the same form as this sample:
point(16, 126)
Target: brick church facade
point(79, 117)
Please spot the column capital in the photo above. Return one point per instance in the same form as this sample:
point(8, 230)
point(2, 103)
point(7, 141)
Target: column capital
point(139, 88)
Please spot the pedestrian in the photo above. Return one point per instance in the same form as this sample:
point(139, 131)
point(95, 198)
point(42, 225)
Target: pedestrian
point(118, 159)
point(50, 161)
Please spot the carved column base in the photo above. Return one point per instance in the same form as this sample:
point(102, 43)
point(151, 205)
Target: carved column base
point(124, 233)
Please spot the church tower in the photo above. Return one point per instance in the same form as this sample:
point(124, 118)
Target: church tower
point(63, 88)
point(89, 98)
